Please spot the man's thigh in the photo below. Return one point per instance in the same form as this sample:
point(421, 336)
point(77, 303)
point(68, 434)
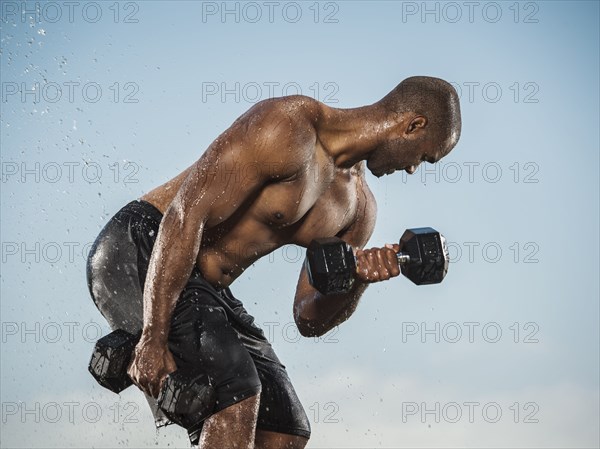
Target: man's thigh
point(212, 333)
point(202, 340)
point(280, 408)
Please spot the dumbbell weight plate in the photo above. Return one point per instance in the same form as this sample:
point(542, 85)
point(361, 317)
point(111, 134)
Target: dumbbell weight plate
point(111, 358)
point(330, 265)
point(428, 255)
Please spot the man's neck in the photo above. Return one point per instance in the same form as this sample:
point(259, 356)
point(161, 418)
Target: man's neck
point(350, 135)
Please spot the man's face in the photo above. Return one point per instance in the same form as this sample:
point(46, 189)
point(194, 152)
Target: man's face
point(402, 154)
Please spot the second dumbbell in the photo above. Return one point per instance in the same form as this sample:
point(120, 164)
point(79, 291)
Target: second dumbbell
point(186, 398)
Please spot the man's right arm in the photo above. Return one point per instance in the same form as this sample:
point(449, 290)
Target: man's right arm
point(211, 192)
point(178, 242)
point(214, 189)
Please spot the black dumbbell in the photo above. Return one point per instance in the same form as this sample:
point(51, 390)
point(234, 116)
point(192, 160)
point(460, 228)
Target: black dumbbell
point(331, 264)
point(185, 398)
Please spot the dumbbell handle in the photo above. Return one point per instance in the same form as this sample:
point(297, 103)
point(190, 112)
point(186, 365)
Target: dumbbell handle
point(402, 258)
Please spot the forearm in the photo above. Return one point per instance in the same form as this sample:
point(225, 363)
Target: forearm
point(316, 314)
point(171, 263)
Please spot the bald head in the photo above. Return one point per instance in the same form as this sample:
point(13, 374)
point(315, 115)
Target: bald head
point(434, 99)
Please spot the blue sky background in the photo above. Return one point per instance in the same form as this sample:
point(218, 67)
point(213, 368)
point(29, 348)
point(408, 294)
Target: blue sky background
point(530, 137)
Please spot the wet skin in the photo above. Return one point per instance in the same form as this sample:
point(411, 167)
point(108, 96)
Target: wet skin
point(287, 171)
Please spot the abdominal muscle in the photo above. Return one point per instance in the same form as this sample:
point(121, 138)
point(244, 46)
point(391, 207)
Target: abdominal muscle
point(223, 258)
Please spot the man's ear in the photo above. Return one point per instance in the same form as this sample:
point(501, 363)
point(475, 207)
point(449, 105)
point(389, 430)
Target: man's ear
point(416, 123)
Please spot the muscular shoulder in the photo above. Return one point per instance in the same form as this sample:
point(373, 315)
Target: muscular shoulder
point(279, 132)
point(284, 117)
point(295, 107)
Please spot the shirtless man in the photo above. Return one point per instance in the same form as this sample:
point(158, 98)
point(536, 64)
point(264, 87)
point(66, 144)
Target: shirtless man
point(287, 171)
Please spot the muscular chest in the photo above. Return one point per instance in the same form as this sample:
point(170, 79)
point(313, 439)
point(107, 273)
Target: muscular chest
point(308, 207)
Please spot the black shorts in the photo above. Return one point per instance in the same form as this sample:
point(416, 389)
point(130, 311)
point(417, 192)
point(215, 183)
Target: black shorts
point(211, 332)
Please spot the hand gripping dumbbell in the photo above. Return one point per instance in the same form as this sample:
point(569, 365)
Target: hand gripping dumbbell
point(185, 398)
point(331, 265)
